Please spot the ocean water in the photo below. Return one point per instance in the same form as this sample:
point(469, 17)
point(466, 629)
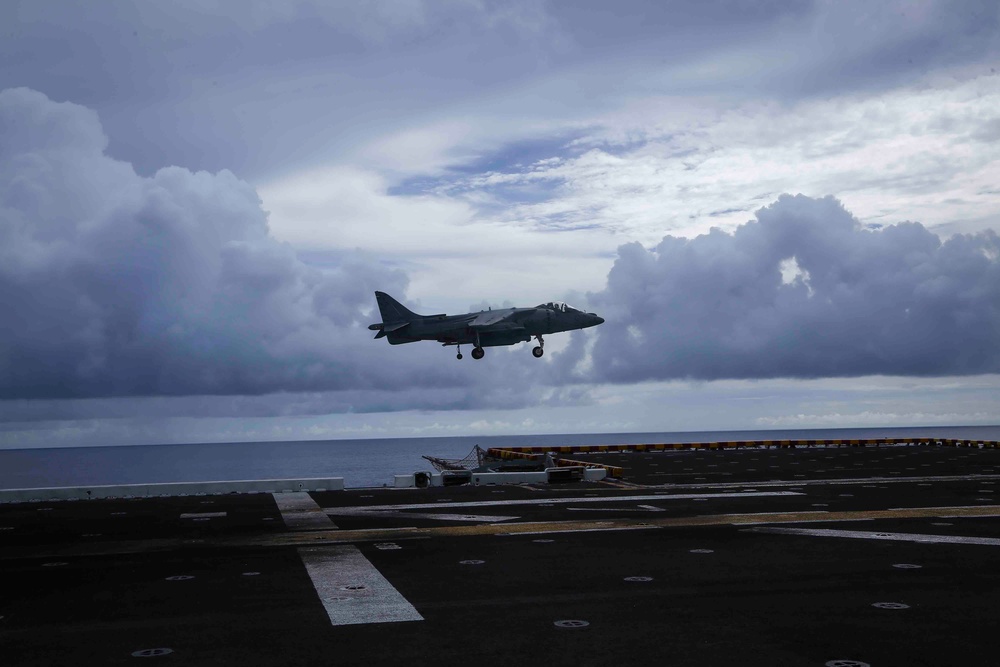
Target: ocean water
point(362, 463)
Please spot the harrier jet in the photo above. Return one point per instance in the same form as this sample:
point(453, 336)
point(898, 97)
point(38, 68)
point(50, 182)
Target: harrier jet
point(483, 329)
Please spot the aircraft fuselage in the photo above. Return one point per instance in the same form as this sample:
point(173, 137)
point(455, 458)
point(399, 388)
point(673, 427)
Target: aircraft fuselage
point(487, 328)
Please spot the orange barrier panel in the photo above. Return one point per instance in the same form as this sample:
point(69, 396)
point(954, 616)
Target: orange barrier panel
point(511, 454)
point(613, 471)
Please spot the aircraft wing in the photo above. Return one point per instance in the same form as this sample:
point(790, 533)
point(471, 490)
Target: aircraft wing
point(498, 319)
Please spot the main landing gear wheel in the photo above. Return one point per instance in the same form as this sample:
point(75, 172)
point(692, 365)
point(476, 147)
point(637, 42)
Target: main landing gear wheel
point(478, 352)
point(539, 351)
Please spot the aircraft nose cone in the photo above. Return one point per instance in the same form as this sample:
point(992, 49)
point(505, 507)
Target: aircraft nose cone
point(597, 320)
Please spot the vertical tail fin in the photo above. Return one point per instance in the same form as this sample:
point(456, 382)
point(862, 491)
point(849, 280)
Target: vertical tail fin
point(392, 310)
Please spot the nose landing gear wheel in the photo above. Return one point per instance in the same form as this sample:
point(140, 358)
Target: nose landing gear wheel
point(478, 352)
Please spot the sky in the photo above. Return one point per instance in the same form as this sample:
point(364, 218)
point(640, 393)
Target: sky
point(786, 211)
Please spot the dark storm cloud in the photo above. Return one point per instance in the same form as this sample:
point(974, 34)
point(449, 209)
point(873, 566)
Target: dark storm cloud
point(872, 45)
point(16, 414)
point(802, 291)
point(257, 86)
point(262, 87)
point(114, 284)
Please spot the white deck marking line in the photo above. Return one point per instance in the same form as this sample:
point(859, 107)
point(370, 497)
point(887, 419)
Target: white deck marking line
point(203, 515)
point(377, 511)
point(640, 508)
point(652, 508)
point(878, 535)
point(578, 530)
point(554, 501)
point(833, 482)
point(300, 512)
point(352, 590)
point(825, 519)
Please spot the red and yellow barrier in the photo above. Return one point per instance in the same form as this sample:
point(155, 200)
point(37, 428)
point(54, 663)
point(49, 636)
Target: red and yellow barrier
point(535, 453)
point(736, 444)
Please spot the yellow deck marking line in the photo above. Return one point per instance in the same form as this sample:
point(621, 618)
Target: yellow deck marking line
point(635, 524)
point(574, 500)
point(318, 538)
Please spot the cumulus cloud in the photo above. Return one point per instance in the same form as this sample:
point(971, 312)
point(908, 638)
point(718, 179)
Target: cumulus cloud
point(115, 284)
point(804, 290)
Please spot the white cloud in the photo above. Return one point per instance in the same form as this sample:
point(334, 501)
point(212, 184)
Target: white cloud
point(918, 153)
point(344, 208)
point(453, 255)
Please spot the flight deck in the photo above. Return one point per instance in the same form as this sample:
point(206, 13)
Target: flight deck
point(879, 555)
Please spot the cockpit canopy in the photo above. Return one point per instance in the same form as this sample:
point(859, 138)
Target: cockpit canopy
point(559, 306)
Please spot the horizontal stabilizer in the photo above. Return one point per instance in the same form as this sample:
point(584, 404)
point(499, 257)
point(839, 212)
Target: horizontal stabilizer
point(384, 329)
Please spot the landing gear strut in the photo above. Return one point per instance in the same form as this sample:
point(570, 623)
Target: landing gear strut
point(478, 351)
point(459, 355)
point(539, 351)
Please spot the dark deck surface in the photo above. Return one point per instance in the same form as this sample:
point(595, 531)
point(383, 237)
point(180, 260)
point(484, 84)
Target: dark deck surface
point(819, 556)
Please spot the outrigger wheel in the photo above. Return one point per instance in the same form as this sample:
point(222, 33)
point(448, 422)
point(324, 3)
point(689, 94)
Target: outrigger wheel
point(478, 352)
